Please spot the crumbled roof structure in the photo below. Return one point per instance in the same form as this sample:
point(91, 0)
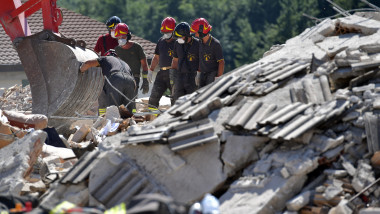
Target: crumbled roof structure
point(296, 131)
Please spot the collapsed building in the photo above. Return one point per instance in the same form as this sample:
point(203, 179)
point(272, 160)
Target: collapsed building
point(296, 131)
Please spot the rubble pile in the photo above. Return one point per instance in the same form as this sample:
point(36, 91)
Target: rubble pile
point(295, 132)
point(16, 98)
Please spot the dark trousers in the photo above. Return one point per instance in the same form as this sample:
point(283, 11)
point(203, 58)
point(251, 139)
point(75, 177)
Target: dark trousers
point(125, 84)
point(161, 84)
point(207, 78)
point(184, 83)
point(137, 80)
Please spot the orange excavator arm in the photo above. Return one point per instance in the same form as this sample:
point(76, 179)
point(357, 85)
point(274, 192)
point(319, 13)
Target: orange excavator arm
point(13, 16)
point(51, 61)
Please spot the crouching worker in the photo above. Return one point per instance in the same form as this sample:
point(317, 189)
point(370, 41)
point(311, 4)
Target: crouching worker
point(120, 87)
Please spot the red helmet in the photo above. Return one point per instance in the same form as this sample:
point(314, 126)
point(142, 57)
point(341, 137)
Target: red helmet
point(111, 52)
point(121, 29)
point(200, 26)
point(168, 25)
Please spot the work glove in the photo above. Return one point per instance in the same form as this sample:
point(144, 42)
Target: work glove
point(150, 76)
point(145, 86)
point(198, 78)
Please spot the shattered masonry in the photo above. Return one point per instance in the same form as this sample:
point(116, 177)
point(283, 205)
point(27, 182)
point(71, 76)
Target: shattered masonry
point(301, 126)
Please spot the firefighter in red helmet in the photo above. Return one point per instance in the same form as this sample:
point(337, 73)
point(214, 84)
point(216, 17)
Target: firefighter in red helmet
point(163, 55)
point(185, 62)
point(211, 60)
point(109, 40)
point(133, 54)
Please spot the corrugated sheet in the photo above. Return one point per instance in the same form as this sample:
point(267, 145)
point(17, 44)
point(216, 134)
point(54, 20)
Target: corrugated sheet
point(285, 123)
point(124, 182)
point(81, 170)
point(179, 135)
point(192, 134)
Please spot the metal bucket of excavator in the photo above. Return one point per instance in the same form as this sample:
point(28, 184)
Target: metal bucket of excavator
point(51, 64)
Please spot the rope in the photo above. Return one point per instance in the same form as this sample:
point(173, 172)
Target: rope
point(129, 100)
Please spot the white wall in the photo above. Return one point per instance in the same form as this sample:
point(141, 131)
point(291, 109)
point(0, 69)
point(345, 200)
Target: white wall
point(11, 78)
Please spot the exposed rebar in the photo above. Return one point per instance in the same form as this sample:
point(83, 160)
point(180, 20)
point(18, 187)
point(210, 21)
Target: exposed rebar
point(371, 5)
point(338, 8)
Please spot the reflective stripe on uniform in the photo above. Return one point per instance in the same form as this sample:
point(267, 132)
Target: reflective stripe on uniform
point(102, 111)
point(60, 208)
point(145, 76)
point(118, 209)
point(4, 212)
point(152, 110)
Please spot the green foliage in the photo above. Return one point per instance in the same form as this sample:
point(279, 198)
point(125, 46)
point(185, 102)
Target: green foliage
point(245, 28)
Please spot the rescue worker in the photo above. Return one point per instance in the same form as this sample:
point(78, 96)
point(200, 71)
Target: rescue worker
point(133, 54)
point(120, 77)
point(210, 53)
point(163, 55)
point(108, 41)
point(185, 61)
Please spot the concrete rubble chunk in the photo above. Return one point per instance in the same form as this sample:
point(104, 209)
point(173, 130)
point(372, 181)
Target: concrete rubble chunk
point(299, 201)
point(332, 191)
point(323, 143)
point(365, 25)
point(295, 132)
point(341, 208)
point(80, 134)
point(270, 198)
point(362, 89)
point(370, 210)
point(36, 121)
point(240, 150)
point(112, 114)
point(363, 176)
point(351, 116)
point(335, 173)
point(19, 166)
point(372, 131)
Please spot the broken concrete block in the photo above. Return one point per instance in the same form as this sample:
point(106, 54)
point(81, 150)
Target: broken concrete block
point(362, 89)
point(112, 113)
point(341, 208)
point(270, 198)
point(80, 134)
point(240, 150)
point(6, 135)
point(335, 173)
point(17, 160)
point(372, 125)
point(263, 166)
point(36, 121)
point(376, 103)
point(284, 172)
point(363, 176)
point(349, 167)
point(320, 189)
point(299, 201)
point(351, 116)
point(301, 166)
point(326, 27)
point(202, 173)
point(322, 143)
point(370, 210)
point(365, 25)
point(332, 191)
